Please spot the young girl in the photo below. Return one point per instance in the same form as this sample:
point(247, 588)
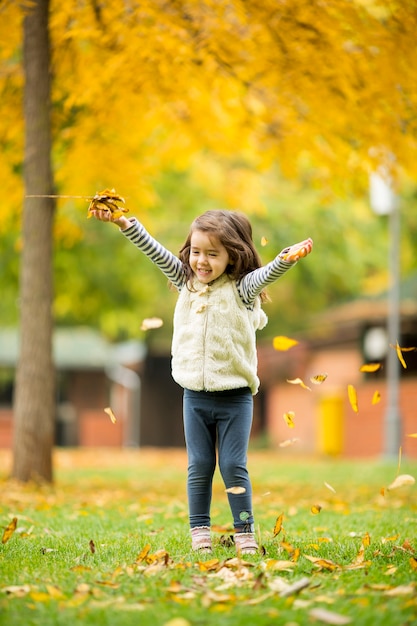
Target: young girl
point(221, 285)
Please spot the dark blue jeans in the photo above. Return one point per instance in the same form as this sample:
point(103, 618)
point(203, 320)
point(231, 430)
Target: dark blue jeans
point(222, 421)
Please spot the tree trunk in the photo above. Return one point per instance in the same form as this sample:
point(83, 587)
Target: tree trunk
point(34, 402)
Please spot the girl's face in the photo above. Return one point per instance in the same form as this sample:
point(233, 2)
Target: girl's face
point(208, 257)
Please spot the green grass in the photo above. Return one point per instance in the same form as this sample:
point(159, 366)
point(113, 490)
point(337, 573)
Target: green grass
point(125, 500)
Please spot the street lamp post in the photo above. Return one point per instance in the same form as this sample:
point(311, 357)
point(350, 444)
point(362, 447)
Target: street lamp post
point(384, 202)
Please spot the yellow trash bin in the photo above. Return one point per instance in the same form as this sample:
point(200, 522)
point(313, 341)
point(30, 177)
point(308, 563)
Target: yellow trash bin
point(330, 427)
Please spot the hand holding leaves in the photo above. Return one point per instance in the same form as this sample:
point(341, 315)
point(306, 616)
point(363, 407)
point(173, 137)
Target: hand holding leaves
point(297, 250)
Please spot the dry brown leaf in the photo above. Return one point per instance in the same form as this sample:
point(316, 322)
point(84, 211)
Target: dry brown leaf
point(278, 524)
point(9, 530)
point(282, 343)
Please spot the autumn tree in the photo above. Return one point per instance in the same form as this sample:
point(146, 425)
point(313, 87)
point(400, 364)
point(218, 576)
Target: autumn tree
point(326, 92)
point(34, 407)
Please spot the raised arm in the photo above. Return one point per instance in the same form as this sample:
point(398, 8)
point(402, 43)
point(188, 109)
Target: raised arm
point(252, 284)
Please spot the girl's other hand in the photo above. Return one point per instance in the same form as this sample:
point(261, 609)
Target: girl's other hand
point(297, 251)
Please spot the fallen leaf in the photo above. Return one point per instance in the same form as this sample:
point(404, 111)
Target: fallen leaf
point(110, 414)
point(92, 546)
point(283, 343)
point(376, 397)
point(318, 379)
point(151, 323)
point(289, 419)
point(235, 490)
point(298, 381)
point(401, 481)
point(370, 367)
point(278, 524)
point(9, 530)
point(353, 398)
point(329, 617)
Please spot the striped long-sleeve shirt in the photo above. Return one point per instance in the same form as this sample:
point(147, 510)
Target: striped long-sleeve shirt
point(249, 287)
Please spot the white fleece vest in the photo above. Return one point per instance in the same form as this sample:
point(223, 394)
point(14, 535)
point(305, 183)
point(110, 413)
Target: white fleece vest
point(214, 338)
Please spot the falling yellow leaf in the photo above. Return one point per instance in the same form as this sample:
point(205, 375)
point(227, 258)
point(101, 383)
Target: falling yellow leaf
point(370, 367)
point(353, 398)
point(298, 381)
point(264, 241)
point(236, 490)
point(330, 487)
point(283, 343)
point(315, 509)
point(278, 524)
point(288, 442)
point(110, 414)
point(318, 379)
point(414, 435)
point(9, 530)
point(150, 323)
point(289, 418)
point(401, 481)
point(376, 397)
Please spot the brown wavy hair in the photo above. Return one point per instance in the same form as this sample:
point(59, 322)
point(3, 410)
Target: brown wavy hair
point(234, 231)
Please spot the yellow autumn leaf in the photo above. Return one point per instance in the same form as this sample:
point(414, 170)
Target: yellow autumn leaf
point(318, 379)
point(370, 367)
point(235, 490)
point(401, 481)
point(107, 200)
point(330, 487)
point(289, 419)
point(143, 553)
point(376, 397)
point(298, 381)
point(399, 352)
point(110, 414)
point(283, 343)
point(151, 323)
point(278, 524)
point(366, 540)
point(315, 509)
point(264, 241)
point(9, 530)
point(414, 435)
point(353, 398)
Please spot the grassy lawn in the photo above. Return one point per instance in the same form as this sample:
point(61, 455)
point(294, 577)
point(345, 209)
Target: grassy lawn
point(109, 544)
